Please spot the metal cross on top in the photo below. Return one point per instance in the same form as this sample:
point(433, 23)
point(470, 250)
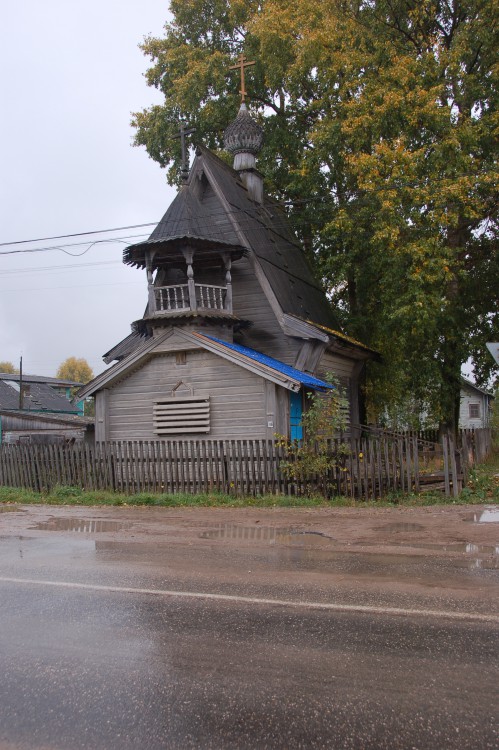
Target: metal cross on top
point(242, 63)
point(183, 147)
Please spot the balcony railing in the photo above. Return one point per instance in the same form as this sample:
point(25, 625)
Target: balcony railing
point(170, 298)
point(176, 297)
point(209, 297)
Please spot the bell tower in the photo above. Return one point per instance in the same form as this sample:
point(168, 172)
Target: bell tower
point(188, 263)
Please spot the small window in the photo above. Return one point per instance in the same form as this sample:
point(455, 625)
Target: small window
point(181, 414)
point(474, 411)
point(180, 358)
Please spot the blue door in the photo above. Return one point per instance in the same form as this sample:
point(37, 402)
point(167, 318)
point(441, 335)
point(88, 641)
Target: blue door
point(295, 415)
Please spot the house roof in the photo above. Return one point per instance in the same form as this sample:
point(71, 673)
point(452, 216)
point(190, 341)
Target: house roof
point(47, 417)
point(468, 384)
point(307, 380)
point(125, 347)
point(265, 229)
point(40, 397)
point(242, 356)
point(214, 210)
point(39, 379)
point(188, 220)
point(346, 339)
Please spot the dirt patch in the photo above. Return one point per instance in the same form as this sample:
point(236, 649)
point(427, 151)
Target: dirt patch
point(373, 527)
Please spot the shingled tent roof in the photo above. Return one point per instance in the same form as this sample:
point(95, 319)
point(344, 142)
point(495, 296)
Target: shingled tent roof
point(266, 230)
point(224, 215)
point(188, 221)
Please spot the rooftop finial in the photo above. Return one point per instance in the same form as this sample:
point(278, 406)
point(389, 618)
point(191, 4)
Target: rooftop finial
point(242, 63)
point(183, 147)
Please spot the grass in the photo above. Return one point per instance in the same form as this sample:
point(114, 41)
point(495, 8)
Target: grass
point(77, 496)
point(483, 487)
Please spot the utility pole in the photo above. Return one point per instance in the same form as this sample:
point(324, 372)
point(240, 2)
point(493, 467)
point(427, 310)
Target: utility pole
point(21, 383)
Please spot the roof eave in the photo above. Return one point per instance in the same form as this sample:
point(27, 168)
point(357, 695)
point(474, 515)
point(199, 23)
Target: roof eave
point(134, 255)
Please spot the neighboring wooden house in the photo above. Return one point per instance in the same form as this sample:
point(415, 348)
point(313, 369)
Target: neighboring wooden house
point(41, 428)
point(237, 329)
point(43, 414)
point(476, 406)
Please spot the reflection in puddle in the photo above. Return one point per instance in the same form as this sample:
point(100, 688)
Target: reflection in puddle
point(314, 546)
point(399, 526)
point(270, 534)
point(467, 547)
point(81, 525)
point(488, 515)
point(250, 533)
point(305, 539)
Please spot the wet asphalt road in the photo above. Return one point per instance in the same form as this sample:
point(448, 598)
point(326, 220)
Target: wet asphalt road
point(154, 642)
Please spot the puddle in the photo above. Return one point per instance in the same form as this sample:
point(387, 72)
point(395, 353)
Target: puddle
point(488, 515)
point(44, 551)
point(11, 509)
point(315, 546)
point(490, 561)
point(81, 525)
point(467, 547)
point(305, 539)
point(270, 534)
point(400, 526)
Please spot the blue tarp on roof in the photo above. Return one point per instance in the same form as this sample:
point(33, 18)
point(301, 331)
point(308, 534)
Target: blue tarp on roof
point(303, 377)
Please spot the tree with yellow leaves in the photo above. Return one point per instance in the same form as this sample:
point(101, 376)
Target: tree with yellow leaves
point(381, 130)
point(8, 367)
point(76, 369)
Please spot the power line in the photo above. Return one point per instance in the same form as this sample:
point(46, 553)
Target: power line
point(78, 286)
point(78, 234)
point(434, 192)
point(42, 269)
point(125, 240)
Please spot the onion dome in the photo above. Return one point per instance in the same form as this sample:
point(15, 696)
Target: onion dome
point(243, 135)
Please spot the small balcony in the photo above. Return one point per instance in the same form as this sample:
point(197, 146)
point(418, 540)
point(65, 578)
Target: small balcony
point(176, 298)
point(172, 298)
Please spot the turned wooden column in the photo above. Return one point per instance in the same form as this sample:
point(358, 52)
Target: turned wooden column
point(189, 255)
point(228, 283)
point(149, 256)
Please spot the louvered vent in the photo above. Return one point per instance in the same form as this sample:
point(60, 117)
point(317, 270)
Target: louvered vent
point(182, 414)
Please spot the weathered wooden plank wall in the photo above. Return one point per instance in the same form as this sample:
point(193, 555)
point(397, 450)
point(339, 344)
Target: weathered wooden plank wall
point(369, 469)
point(237, 397)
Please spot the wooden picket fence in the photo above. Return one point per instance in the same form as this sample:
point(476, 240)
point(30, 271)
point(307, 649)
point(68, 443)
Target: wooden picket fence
point(369, 467)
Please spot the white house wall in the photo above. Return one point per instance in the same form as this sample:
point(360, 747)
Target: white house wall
point(469, 396)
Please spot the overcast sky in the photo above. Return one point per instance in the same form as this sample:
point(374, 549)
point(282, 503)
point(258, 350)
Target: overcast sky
point(71, 74)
